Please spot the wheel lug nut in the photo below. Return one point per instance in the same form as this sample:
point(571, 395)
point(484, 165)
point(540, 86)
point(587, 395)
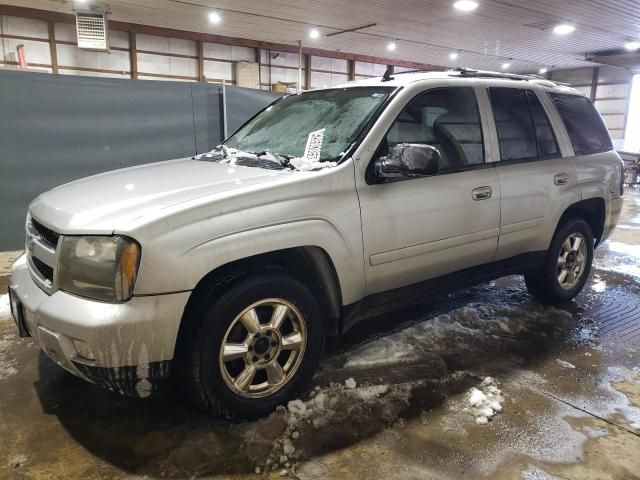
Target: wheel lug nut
point(273, 344)
point(255, 359)
point(266, 357)
point(269, 333)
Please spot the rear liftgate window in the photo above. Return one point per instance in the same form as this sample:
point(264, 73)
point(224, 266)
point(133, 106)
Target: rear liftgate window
point(586, 129)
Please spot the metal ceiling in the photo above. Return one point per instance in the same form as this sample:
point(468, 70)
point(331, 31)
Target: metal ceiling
point(498, 31)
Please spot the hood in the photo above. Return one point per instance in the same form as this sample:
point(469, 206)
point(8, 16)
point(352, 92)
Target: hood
point(103, 203)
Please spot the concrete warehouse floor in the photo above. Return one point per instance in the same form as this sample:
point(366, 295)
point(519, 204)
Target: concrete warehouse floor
point(569, 381)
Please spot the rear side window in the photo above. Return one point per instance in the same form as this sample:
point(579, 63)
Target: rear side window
point(586, 129)
point(516, 134)
point(524, 130)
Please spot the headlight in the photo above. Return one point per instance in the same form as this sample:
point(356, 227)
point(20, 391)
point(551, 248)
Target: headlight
point(102, 268)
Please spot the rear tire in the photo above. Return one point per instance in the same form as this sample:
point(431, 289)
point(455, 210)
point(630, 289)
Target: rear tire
point(566, 267)
point(254, 347)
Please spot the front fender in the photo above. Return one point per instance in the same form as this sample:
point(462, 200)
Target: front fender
point(320, 233)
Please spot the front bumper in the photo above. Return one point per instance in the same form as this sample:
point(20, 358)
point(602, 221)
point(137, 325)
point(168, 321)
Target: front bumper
point(132, 343)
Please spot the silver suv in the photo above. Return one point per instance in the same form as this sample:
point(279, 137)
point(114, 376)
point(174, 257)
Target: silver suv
point(226, 271)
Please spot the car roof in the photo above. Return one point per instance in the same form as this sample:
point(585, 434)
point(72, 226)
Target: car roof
point(402, 79)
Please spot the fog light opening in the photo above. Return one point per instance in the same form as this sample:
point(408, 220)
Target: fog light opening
point(83, 350)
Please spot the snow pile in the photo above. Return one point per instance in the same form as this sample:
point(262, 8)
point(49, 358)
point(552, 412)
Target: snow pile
point(308, 426)
point(485, 402)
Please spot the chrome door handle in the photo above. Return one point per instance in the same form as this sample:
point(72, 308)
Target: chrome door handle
point(561, 179)
point(481, 193)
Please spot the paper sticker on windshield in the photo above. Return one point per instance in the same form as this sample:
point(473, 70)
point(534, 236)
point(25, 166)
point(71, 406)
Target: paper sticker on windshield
point(314, 145)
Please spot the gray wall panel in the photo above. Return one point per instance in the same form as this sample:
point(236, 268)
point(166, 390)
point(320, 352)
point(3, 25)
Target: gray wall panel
point(55, 129)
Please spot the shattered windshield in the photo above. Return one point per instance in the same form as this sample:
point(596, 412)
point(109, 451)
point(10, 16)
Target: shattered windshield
point(303, 132)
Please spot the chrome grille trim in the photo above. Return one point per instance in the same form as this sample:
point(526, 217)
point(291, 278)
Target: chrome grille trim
point(41, 250)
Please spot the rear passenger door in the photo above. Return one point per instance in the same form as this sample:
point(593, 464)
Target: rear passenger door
point(536, 181)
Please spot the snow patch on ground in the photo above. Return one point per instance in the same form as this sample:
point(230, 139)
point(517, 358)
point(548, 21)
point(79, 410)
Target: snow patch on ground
point(17, 461)
point(7, 365)
point(565, 364)
point(484, 402)
point(621, 258)
point(5, 308)
point(472, 330)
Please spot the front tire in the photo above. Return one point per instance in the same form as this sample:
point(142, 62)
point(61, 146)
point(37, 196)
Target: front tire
point(567, 265)
point(255, 347)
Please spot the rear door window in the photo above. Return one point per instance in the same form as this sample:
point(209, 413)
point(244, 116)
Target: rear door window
point(586, 129)
point(516, 132)
point(547, 144)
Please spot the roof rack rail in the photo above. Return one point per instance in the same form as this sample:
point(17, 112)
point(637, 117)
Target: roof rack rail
point(467, 72)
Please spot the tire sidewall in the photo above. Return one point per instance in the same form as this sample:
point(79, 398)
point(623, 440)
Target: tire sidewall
point(215, 321)
point(550, 274)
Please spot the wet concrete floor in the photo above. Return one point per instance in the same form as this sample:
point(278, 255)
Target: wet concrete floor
point(569, 377)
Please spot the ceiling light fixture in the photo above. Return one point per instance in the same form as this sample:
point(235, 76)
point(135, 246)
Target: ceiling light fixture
point(465, 5)
point(453, 56)
point(631, 46)
point(563, 29)
point(391, 46)
point(506, 65)
point(314, 33)
point(214, 17)
point(542, 71)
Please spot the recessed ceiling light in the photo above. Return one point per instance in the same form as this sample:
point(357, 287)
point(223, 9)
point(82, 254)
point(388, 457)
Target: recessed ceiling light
point(563, 29)
point(391, 46)
point(214, 17)
point(465, 5)
point(314, 33)
point(505, 65)
point(631, 46)
point(542, 71)
point(453, 55)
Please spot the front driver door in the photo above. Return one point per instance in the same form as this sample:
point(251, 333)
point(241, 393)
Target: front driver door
point(420, 228)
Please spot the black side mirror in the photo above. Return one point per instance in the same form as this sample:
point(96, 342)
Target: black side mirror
point(408, 160)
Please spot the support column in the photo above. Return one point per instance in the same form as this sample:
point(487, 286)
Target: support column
point(351, 69)
point(53, 48)
point(133, 55)
point(594, 84)
point(307, 72)
point(202, 78)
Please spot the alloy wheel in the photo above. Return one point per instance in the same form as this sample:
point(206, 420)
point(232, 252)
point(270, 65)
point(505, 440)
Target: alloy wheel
point(572, 261)
point(263, 348)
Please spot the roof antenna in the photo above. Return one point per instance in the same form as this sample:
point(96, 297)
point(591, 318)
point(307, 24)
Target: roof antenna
point(388, 74)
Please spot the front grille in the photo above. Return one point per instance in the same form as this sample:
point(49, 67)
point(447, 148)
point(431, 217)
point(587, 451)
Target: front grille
point(45, 270)
point(41, 246)
point(48, 236)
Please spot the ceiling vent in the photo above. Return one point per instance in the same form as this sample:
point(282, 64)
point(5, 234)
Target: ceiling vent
point(92, 32)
